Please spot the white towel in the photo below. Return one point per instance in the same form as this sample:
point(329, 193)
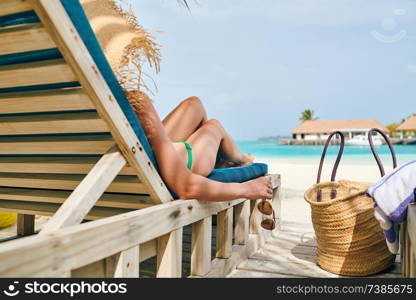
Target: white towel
point(392, 195)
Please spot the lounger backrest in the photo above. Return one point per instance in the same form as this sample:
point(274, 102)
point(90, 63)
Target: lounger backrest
point(61, 109)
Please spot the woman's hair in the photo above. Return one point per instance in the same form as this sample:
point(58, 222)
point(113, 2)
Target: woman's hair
point(137, 99)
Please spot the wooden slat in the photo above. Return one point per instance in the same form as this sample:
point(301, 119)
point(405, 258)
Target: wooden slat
point(48, 209)
point(169, 254)
point(283, 265)
point(45, 101)
point(58, 197)
point(201, 247)
point(25, 38)
point(258, 274)
point(224, 233)
point(54, 17)
point(36, 73)
point(59, 123)
point(86, 194)
point(51, 164)
point(91, 144)
point(8, 7)
point(122, 184)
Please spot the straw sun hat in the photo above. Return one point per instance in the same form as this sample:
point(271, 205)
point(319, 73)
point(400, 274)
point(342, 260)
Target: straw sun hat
point(125, 43)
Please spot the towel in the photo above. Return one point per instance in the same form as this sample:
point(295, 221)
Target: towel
point(392, 194)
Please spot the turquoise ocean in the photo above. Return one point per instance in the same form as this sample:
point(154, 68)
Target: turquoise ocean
point(264, 150)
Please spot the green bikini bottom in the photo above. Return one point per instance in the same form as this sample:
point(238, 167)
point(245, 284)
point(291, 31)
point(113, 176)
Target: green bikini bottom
point(189, 150)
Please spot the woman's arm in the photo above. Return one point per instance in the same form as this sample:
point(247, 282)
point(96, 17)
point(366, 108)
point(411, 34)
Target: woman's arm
point(182, 181)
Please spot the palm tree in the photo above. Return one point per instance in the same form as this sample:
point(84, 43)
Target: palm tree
point(392, 129)
point(307, 115)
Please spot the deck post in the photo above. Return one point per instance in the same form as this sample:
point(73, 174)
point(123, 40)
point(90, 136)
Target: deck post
point(224, 233)
point(169, 254)
point(201, 247)
point(25, 224)
point(277, 206)
point(408, 245)
point(128, 263)
point(242, 223)
point(412, 271)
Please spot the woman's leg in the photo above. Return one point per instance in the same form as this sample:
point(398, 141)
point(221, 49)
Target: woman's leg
point(185, 119)
point(230, 153)
point(206, 142)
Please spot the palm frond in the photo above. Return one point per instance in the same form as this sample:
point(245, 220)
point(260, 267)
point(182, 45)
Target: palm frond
point(184, 3)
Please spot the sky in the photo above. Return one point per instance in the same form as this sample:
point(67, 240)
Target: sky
point(257, 65)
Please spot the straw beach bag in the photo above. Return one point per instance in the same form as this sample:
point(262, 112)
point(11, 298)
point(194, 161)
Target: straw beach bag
point(350, 239)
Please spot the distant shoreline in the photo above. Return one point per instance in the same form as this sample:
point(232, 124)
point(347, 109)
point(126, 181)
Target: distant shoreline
point(314, 161)
point(297, 154)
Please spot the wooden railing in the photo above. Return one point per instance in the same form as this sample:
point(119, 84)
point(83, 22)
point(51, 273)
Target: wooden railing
point(408, 243)
point(114, 246)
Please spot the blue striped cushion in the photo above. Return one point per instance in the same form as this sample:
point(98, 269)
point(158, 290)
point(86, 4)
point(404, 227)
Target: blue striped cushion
point(26, 17)
point(239, 174)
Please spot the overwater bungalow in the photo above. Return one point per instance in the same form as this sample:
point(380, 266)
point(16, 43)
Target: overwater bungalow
point(313, 130)
point(408, 128)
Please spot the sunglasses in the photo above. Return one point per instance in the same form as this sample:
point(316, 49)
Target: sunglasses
point(266, 208)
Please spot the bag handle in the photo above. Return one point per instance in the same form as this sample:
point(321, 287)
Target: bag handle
point(337, 161)
point(373, 149)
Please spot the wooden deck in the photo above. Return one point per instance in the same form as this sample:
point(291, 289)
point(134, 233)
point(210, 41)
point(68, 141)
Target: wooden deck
point(291, 253)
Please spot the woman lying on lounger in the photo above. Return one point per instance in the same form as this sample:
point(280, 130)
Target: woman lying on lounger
point(187, 126)
point(127, 45)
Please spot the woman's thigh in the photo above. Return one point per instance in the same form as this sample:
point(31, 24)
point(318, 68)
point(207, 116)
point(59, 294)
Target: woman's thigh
point(205, 143)
point(185, 119)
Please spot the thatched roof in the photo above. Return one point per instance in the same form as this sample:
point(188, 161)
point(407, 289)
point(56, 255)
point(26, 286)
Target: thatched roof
point(409, 124)
point(321, 126)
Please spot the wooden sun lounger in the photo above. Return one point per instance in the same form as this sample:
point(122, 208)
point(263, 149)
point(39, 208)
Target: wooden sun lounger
point(68, 150)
